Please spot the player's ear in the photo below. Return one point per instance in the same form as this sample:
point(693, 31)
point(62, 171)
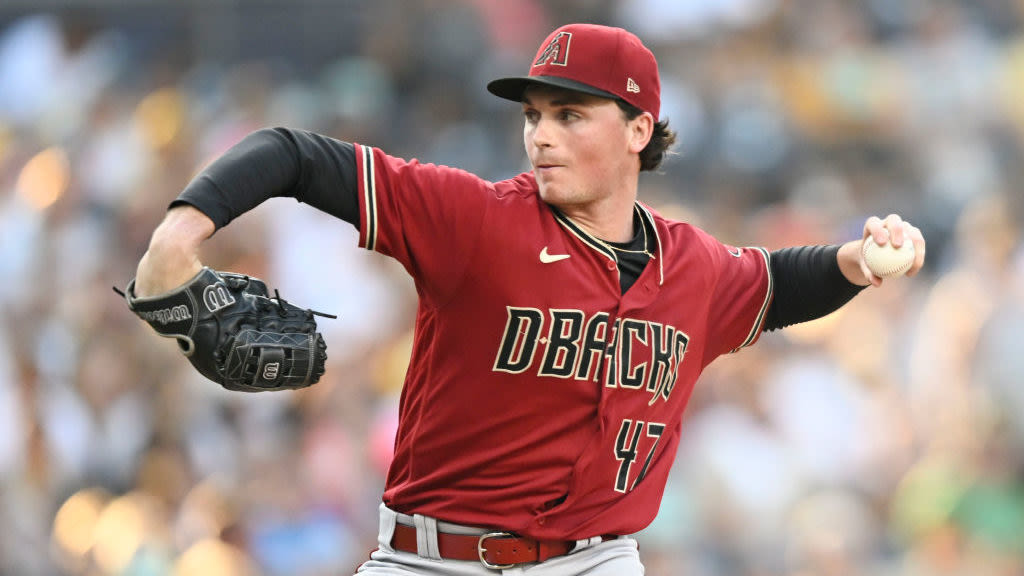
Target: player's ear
point(641, 129)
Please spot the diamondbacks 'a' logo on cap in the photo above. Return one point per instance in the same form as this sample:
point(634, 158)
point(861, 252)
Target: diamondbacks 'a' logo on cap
point(557, 51)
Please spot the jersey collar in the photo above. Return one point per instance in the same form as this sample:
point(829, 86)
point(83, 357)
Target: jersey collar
point(603, 247)
point(649, 219)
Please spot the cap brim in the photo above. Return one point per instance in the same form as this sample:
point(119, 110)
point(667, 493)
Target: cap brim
point(513, 88)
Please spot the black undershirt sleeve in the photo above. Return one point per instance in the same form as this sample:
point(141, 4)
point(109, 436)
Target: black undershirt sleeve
point(273, 162)
point(808, 285)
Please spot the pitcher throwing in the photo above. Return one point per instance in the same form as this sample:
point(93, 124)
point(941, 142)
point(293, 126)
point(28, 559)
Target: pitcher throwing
point(561, 324)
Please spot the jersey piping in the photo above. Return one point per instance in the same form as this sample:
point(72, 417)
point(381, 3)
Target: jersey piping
point(755, 330)
point(587, 239)
point(370, 191)
point(657, 241)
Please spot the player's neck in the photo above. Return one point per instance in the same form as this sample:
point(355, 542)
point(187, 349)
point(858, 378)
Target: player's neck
point(610, 219)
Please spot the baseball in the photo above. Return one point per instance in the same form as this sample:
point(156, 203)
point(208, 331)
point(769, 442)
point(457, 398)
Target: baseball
point(885, 261)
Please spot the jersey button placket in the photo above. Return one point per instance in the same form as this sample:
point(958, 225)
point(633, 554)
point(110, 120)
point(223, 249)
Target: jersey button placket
point(610, 265)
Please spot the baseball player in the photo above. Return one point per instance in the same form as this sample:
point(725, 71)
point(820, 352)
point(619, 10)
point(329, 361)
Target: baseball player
point(561, 324)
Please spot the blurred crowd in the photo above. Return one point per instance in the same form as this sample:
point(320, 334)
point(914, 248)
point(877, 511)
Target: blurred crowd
point(886, 439)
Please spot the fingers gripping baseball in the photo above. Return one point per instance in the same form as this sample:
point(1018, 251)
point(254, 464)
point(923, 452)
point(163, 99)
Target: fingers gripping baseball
point(234, 333)
point(890, 247)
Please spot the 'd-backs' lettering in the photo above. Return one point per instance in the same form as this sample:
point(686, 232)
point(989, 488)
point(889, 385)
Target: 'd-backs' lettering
point(565, 343)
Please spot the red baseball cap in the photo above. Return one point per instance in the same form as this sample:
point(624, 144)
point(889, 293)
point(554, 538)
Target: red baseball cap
point(599, 60)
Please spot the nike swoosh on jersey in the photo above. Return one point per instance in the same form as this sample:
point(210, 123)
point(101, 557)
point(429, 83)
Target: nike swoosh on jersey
point(546, 258)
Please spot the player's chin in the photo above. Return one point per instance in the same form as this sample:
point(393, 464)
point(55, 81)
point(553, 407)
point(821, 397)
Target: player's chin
point(552, 193)
point(544, 190)
point(551, 197)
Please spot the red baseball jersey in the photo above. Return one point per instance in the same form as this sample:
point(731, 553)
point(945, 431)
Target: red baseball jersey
point(539, 399)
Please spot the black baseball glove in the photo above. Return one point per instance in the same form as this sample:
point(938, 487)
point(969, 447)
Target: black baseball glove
point(235, 333)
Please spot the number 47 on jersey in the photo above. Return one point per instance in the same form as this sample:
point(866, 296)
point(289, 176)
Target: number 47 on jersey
point(627, 446)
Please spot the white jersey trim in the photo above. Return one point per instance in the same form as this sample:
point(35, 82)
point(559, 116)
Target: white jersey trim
point(759, 320)
point(370, 198)
point(657, 240)
point(583, 235)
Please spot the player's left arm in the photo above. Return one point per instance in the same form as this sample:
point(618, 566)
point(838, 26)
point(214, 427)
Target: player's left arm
point(814, 281)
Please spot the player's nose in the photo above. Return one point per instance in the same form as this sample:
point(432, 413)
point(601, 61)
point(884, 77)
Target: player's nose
point(540, 134)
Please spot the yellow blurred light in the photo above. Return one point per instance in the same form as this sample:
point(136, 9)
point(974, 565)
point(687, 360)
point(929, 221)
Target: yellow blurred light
point(213, 557)
point(120, 530)
point(160, 116)
point(390, 364)
point(205, 511)
point(1012, 81)
point(926, 496)
point(74, 525)
point(44, 178)
point(5, 140)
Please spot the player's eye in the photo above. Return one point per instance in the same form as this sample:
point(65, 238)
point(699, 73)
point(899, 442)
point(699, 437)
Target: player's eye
point(566, 114)
point(532, 116)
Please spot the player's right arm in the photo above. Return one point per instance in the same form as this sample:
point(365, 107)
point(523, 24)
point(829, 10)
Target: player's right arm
point(265, 164)
point(173, 254)
point(427, 217)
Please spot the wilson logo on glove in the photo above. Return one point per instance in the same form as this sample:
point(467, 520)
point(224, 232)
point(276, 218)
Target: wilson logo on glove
point(240, 337)
point(270, 371)
point(216, 297)
point(167, 315)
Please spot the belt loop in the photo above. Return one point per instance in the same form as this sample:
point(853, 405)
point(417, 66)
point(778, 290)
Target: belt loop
point(544, 551)
point(388, 519)
point(586, 543)
point(426, 537)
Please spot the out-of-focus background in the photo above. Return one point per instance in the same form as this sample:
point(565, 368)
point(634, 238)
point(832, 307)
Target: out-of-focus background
point(886, 439)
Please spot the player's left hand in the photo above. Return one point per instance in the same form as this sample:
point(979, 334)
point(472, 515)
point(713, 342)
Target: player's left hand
point(236, 334)
point(893, 230)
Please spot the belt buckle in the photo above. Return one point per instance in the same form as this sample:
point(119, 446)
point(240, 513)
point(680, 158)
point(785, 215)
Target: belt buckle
point(481, 550)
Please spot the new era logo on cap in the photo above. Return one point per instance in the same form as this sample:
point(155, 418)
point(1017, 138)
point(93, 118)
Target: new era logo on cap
point(599, 60)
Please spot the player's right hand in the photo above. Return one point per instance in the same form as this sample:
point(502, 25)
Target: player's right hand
point(173, 255)
point(896, 231)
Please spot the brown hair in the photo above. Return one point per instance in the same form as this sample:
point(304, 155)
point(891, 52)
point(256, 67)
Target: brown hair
point(662, 138)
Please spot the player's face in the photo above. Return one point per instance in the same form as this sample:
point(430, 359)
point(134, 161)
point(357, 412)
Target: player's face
point(582, 147)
